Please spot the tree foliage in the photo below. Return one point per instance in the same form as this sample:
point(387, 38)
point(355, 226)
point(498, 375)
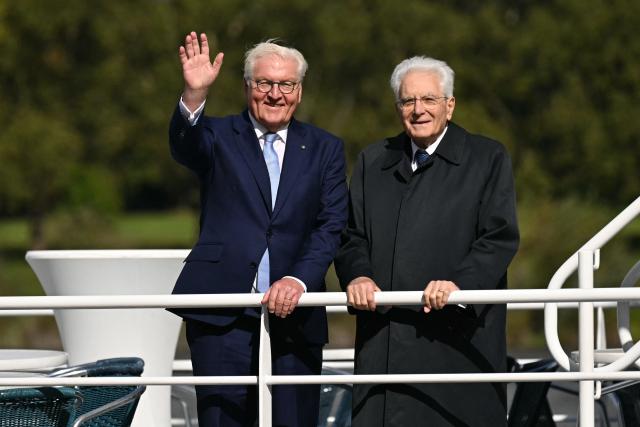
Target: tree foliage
point(88, 88)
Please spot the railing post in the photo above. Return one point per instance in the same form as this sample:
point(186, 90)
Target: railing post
point(601, 329)
point(585, 310)
point(264, 371)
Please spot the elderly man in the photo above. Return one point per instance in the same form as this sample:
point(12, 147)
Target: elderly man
point(274, 201)
point(432, 208)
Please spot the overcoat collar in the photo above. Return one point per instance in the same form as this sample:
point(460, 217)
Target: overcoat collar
point(452, 145)
point(294, 155)
point(398, 154)
point(398, 150)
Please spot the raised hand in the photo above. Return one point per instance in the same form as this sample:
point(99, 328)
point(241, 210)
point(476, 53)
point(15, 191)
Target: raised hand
point(197, 69)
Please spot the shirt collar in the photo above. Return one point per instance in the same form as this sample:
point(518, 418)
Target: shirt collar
point(431, 148)
point(261, 130)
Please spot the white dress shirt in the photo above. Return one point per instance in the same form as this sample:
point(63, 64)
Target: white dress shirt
point(430, 149)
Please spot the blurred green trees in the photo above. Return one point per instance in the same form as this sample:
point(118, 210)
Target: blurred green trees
point(555, 81)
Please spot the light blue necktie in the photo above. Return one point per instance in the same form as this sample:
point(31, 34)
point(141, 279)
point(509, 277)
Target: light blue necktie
point(273, 166)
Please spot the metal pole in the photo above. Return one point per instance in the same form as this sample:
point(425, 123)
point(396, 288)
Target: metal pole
point(264, 371)
point(312, 299)
point(585, 310)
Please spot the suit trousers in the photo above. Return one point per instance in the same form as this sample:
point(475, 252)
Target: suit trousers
point(233, 350)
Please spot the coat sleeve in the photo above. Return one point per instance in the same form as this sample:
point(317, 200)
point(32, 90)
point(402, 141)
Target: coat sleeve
point(497, 239)
point(353, 259)
point(322, 243)
point(188, 144)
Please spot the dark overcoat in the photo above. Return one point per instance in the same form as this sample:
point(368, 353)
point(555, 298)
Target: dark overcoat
point(452, 219)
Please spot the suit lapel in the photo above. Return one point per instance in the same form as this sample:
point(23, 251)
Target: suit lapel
point(296, 154)
point(249, 148)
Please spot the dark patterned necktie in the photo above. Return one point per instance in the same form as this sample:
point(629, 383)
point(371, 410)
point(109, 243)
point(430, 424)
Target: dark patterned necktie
point(421, 157)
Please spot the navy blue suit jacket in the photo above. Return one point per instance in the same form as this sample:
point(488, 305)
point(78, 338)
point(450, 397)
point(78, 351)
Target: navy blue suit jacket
point(237, 222)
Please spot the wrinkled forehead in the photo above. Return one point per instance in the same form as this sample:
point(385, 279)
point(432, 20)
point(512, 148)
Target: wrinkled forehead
point(421, 83)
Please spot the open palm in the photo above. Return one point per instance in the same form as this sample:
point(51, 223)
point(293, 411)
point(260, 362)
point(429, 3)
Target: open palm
point(197, 69)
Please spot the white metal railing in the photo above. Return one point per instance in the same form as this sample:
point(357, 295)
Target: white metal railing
point(265, 380)
point(343, 309)
point(585, 261)
point(569, 267)
point(492, 296)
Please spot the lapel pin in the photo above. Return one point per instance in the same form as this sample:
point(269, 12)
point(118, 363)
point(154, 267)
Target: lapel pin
point(303, 147)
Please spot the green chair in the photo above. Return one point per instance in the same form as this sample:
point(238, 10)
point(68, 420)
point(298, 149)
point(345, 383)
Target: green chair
point(38, 407)
point(106, 406)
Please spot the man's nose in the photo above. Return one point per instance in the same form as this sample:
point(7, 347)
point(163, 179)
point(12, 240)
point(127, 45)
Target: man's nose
point(418, 108)
point(274, 92)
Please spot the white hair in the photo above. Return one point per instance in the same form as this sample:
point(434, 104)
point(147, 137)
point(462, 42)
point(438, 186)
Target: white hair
point(270, 47)
point(423, 63)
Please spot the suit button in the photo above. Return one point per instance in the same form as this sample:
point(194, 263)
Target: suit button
point(269, 233)
point(253, 265)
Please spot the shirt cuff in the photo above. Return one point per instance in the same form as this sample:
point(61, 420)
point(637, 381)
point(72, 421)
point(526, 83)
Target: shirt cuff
point(191, 117)
point(297, 280)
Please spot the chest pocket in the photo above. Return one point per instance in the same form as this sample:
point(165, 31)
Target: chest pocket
point(207, 252)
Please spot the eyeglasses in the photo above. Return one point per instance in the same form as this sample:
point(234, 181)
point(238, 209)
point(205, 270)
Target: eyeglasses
point(265, 85)
point(427, 102)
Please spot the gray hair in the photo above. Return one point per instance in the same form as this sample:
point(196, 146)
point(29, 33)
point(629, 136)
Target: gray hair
point(423, 63)
point(270, 47)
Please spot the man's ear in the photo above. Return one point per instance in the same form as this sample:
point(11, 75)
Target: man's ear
point(451, 105)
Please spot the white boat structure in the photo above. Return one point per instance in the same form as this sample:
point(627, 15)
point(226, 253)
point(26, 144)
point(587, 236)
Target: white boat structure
point(111, 303)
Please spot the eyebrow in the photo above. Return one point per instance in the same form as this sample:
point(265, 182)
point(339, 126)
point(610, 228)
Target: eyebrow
point(422, 96)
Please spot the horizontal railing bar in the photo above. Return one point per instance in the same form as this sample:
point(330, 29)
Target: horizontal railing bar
point(34, 381)
point(325, 379)
point(493, 296)
point(451, 378)
point(26, 312)
point(335, 309)
point(343, 310)
point(540, 305)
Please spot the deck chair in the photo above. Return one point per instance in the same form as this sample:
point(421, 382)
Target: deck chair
point(38, 407)
point(530, 407)
point(106, 406)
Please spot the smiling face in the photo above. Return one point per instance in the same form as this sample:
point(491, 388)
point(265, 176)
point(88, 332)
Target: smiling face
point(424, 123)
point(274, 109)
